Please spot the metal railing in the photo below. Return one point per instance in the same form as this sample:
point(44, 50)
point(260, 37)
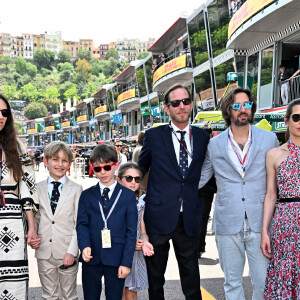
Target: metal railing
point(289, 90)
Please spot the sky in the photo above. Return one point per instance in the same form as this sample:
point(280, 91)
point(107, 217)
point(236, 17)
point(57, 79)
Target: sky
point(103, 21)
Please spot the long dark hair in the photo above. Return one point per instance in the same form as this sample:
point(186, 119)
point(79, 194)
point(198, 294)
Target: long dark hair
point(288, 114)
point(10, 145)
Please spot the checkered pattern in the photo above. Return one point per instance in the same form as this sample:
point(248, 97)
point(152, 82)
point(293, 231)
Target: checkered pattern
point(55, 195)
point(183, 156)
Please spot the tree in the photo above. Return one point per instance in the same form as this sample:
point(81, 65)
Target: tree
point(84, 54)
point(91, 89)
point(143, 55)
point(70, 93)
point(96, 67)
point(35, 110)
point(52, 93)
point(52, 105)
point(29, 92)
point(19, 127)
point(65, 67)
point(5, 61)
point(64, 56)
point(44, 58)
point(10, 92)
point(83, 71)
point(112, 53)
point(63, 88)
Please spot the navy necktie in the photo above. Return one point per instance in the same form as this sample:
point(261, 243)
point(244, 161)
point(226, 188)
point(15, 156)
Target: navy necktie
point(105, 197)
point(55, 195)
point(183, 156)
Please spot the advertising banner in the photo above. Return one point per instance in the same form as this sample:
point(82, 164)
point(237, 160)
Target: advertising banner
point(169, 67)
point(126, 95)
point(113, 118)
point(154, 109)
point(48, 128)
point(34, 130)
point(248, 9)
point(65, 124)
point(100, 109)
point(82, 118)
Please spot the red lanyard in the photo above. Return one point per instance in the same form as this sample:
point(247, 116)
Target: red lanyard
point(242, 162)
point(190, 154)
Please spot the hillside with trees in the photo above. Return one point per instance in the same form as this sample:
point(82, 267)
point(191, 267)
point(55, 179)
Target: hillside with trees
point(45, 82)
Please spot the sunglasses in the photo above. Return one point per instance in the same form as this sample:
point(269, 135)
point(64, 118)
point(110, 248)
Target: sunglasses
point(295, 117)
point(120, 146)
point(98, 169)
point(176, 103)
point(238, 106)
point(129, 178)
point(4, 112)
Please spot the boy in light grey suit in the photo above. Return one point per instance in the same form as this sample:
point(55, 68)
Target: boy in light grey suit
point(237, 158)
point(56, 225)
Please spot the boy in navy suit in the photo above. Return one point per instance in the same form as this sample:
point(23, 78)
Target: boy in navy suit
point(106, 228)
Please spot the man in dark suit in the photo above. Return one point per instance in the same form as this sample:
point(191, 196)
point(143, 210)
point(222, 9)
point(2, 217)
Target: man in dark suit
point(174, 154)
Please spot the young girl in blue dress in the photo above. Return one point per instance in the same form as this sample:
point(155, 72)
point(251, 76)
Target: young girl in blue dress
point(129, 175)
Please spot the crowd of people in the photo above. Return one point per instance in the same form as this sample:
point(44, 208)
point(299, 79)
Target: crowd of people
point(121, 228)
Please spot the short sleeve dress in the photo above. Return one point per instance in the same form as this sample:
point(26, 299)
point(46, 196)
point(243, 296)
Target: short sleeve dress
point(137, 280)
point(283, 277)
point(19, 197)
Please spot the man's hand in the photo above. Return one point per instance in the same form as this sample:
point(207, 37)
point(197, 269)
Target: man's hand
point(86, 254)
point(148, 249)
point(139, 244)
point(123, 272)
point(68, 259)
point(32, 239)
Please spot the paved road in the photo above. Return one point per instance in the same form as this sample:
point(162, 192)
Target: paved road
point(210, 271)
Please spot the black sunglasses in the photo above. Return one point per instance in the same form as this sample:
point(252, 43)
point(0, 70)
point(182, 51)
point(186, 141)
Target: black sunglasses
point(5, 112)
point(98, 169)
point(295, 117)
point(176, 103)
point(129, 178)
point(119, 146)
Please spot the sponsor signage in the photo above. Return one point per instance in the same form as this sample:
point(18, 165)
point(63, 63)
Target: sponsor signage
point(100, 109)
point(278, 126)
point(126, 95)
point(154, 109)
point(209, 103)
point(65, 124)
point(34, 130)
point(169, 67)
point(48, 128)
point(113, 118)
point(248, 9)
point(82, 118)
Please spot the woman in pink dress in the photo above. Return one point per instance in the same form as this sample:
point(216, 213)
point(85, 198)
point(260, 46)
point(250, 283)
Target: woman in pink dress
point(283, 245)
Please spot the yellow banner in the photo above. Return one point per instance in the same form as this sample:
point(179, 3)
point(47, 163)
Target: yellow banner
point(169, 67)
point(65, 124)
point(82, 118)
point(248, 9)
point(126, 95)
point(100, 109)
point(31, 130)
point(49, 128)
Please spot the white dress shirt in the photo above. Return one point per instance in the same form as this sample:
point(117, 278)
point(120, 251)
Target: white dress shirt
point(111, 188)
point(50, 185)
point(241, 152)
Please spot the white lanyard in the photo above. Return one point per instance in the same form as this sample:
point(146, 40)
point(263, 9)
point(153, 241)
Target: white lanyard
point(111, 210)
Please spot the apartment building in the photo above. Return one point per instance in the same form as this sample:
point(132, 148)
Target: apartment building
point(103, 50)
point(96, 53)
point(71, 47)
point(28, 45)
point(20, 46)
point(53, 42)
point(5, 44)
point(86, 44)
point(38, 42)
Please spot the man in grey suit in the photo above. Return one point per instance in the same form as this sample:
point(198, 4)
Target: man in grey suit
point(237, 158)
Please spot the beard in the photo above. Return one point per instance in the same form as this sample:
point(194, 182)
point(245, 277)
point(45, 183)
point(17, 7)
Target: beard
point(181, 118)
point(240, 123)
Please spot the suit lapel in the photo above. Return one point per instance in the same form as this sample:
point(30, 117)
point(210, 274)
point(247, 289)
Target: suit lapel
point(115, 193)
point(254, 146)
point(64, 195)
point(168, 140)
point(45, 197)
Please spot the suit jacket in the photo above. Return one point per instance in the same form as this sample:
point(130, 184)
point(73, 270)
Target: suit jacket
point(237, 195)
point(167, 189)
point(122, 224)
point(57, 232)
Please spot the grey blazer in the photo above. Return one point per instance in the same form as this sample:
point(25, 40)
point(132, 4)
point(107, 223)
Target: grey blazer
point(235, 195)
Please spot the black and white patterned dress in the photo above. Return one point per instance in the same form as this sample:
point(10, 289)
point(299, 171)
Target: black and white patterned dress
point(19, 197)
point(137, 280)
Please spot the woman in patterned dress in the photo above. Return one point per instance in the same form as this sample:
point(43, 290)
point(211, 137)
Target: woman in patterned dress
point(283, 172)
point(130, 176)
point(17, 204)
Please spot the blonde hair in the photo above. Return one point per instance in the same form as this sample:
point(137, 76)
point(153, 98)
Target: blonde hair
point(54, 148)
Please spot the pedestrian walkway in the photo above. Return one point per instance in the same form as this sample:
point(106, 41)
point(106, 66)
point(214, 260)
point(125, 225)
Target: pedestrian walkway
point(210, 272)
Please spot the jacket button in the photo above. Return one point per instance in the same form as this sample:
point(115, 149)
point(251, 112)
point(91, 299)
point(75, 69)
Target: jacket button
point(53, 222)
point(182, 184)
point(50, 240)
point(180, 199)
point(244, 182)
point(243, 199)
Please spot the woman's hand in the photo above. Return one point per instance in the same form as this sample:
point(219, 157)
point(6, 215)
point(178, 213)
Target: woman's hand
point(139, 244)
point(265, 245)
point(32, 238)
point(148, 249)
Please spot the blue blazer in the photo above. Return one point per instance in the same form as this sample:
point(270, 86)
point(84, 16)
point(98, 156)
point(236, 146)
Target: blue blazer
point(167, 189)
point(122, 224)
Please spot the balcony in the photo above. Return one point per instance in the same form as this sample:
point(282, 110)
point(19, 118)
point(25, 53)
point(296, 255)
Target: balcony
point(175, 69)
point(101, 112)
point(128, 100)
point(83, 120)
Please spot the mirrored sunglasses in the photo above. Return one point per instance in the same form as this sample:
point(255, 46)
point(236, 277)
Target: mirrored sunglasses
point(129, 178)
point(98, 169)
point(5, 112)
point(295, 117)
point(176, 103)
point(238, 106)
